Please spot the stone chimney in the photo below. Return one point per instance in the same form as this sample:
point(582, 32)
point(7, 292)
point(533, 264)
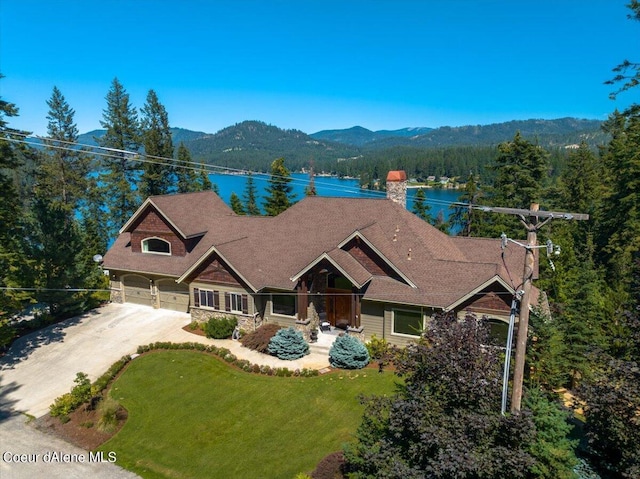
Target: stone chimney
point(397, 187)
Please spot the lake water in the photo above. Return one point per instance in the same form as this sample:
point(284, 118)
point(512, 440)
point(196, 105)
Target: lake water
point(437, 199)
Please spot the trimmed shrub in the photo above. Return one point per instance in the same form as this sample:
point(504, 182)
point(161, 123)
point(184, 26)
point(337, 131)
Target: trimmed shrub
point(378, 348)
point(331, 467)
point(69, 402)
point(259, 339)
point(288, 344)
point(348, 352)
point(220, 328)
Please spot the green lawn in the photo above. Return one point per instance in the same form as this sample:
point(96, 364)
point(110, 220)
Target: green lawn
point(192, 415)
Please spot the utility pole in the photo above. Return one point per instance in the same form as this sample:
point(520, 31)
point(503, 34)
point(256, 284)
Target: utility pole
point(532, 226)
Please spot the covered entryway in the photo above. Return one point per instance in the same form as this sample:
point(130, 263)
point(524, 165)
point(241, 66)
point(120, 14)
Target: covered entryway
point(137, 289)
point(173, 296)
point(339, 308)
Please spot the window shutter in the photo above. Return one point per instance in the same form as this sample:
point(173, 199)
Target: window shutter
point(245, 304)
point(227, 302)
point(196, 297)
point(216, 299)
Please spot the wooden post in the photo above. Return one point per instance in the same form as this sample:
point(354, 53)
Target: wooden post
point(523, 324)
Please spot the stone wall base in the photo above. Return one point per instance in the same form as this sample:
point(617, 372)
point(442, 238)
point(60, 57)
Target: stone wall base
point(245, 322)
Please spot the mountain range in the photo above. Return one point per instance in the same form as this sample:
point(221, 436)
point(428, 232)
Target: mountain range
point(254, 144)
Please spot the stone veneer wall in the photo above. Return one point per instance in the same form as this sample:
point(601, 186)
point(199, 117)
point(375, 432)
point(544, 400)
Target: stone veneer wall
point(244, 321)
point(116, 295)
point(397, 191)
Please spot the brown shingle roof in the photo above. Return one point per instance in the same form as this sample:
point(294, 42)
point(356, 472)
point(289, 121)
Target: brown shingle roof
point(269, 251)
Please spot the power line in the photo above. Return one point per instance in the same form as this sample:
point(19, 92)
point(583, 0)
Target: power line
point(115, 153)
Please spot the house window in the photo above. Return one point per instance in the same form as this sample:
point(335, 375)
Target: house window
point(409, 323)
point(235, 302)
point(284, 304)
point(206, 298)
point(156, 245)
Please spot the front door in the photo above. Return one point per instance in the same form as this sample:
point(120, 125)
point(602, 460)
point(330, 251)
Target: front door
point(339, 312)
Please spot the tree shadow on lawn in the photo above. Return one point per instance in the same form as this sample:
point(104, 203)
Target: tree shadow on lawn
point(22, 347)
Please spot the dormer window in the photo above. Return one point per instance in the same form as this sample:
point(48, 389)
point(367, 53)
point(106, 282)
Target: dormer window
point(156, 245)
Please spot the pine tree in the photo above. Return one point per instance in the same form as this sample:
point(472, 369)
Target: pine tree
point(310, 190)
point(61, 262)
point(420, 207)
point(11, 256)
point(158, 176)
point(279, 196)
point(236, 204)
point(62, 176)
point(463, 218)
point(249, 197)
point(123, 133)
point(185, 173)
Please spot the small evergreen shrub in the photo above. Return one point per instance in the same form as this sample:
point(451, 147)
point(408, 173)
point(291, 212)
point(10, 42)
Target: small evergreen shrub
point(348, 352)
point(220, 328)
point(259, 339)
point(330, 467)
point(288, 344)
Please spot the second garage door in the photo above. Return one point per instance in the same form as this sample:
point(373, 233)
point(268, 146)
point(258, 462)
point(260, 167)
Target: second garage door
point(173, 296)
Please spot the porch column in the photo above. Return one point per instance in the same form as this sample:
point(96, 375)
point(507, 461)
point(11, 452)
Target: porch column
point(355, 307)
point(303, 299)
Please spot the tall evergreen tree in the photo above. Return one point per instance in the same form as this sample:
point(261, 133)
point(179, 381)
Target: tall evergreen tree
point(61, 263)
point(120, 169)
point(62, 176)
point(236, 204)
point(462, 219)
point(158, 175)
point(619, 232)
point(279, 196)
point(310, 190)
point(185, 172)
point(11, 256)
point(420, 206)
point(249, 197)
point(521, 169)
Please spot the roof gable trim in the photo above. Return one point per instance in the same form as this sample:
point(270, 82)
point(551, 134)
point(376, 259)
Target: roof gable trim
point(326, 256)
point(359, 234)
point(473, 292)
point(204, 257)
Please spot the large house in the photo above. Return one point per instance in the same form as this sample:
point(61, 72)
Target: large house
point(368, 266)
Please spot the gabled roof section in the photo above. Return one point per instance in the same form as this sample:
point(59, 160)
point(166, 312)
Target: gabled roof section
point(348, 266)
point(202, 260)
point(189, 214)
point(372, 230)
point(496, 279)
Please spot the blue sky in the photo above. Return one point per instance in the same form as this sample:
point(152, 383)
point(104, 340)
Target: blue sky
point(314, 65)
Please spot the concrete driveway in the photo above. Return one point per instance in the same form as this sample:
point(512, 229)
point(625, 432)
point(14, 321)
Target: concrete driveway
point(42, 366)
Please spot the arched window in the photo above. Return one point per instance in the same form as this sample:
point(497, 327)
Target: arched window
point(156, 245)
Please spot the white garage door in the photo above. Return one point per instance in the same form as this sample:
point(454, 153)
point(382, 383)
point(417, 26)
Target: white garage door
point(137, 290)
point(173, 296)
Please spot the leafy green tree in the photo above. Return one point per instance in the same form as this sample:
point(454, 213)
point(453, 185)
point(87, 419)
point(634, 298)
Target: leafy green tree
point(249, 197)
point(185, 172)
point(420, 206)
point(236, 204)
point(158, 170)
point(62, 175)
point(120, 119)
point(445, 420)
point(279, 196)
